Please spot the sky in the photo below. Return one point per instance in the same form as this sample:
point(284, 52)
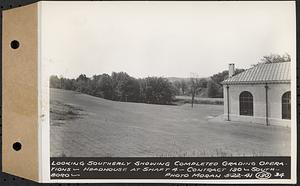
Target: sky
point(168, 39)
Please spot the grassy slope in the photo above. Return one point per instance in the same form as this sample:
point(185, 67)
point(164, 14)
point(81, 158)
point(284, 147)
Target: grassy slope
point(108, 128)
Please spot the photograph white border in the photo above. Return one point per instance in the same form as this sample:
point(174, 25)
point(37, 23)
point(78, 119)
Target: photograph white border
point(44, 129)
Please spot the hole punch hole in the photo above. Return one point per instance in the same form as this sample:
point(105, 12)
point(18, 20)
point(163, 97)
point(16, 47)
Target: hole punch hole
point(17, 146)
point(14, 44)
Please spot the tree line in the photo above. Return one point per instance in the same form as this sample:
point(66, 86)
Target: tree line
point(119, 86)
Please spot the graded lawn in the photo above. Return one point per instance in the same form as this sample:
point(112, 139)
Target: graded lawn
point(83, 125)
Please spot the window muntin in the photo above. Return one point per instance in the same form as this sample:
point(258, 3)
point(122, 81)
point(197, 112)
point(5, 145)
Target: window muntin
point(246, 103)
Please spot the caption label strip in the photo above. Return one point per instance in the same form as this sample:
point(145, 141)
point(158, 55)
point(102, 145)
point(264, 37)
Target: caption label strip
point(171, 168)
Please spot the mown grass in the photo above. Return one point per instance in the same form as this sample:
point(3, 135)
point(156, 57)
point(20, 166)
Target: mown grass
point(122, 129)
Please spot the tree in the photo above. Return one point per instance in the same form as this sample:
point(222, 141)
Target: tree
point(221, 76)
point(102, 86)
point(183, 86)
point(68, 84)
point(95, 85)
point(82, 84)
point(177, 86)
point(214, 90)
point(55, 82)
point(157, 90)
point(195, 86)
point(121, 83)
point(131, 90)
point(217, 79)
point(276, 58)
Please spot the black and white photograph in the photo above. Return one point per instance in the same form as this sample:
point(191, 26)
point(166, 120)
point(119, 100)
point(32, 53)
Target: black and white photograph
point(170, 79)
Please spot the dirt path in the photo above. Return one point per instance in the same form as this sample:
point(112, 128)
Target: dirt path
point(107, 128)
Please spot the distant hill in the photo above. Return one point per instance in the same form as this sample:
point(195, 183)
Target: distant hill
point(172, 79)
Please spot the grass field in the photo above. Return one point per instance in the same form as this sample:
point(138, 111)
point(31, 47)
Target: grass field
point(83, 125)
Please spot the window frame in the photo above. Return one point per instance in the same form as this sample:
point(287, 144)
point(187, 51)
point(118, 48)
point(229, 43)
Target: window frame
point(286, 105)
point(246, 107)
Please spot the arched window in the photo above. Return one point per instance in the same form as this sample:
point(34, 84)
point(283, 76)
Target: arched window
point(246, 103)
point(286, 105)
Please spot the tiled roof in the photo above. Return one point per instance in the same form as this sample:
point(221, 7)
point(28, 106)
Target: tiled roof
point(263, 73)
